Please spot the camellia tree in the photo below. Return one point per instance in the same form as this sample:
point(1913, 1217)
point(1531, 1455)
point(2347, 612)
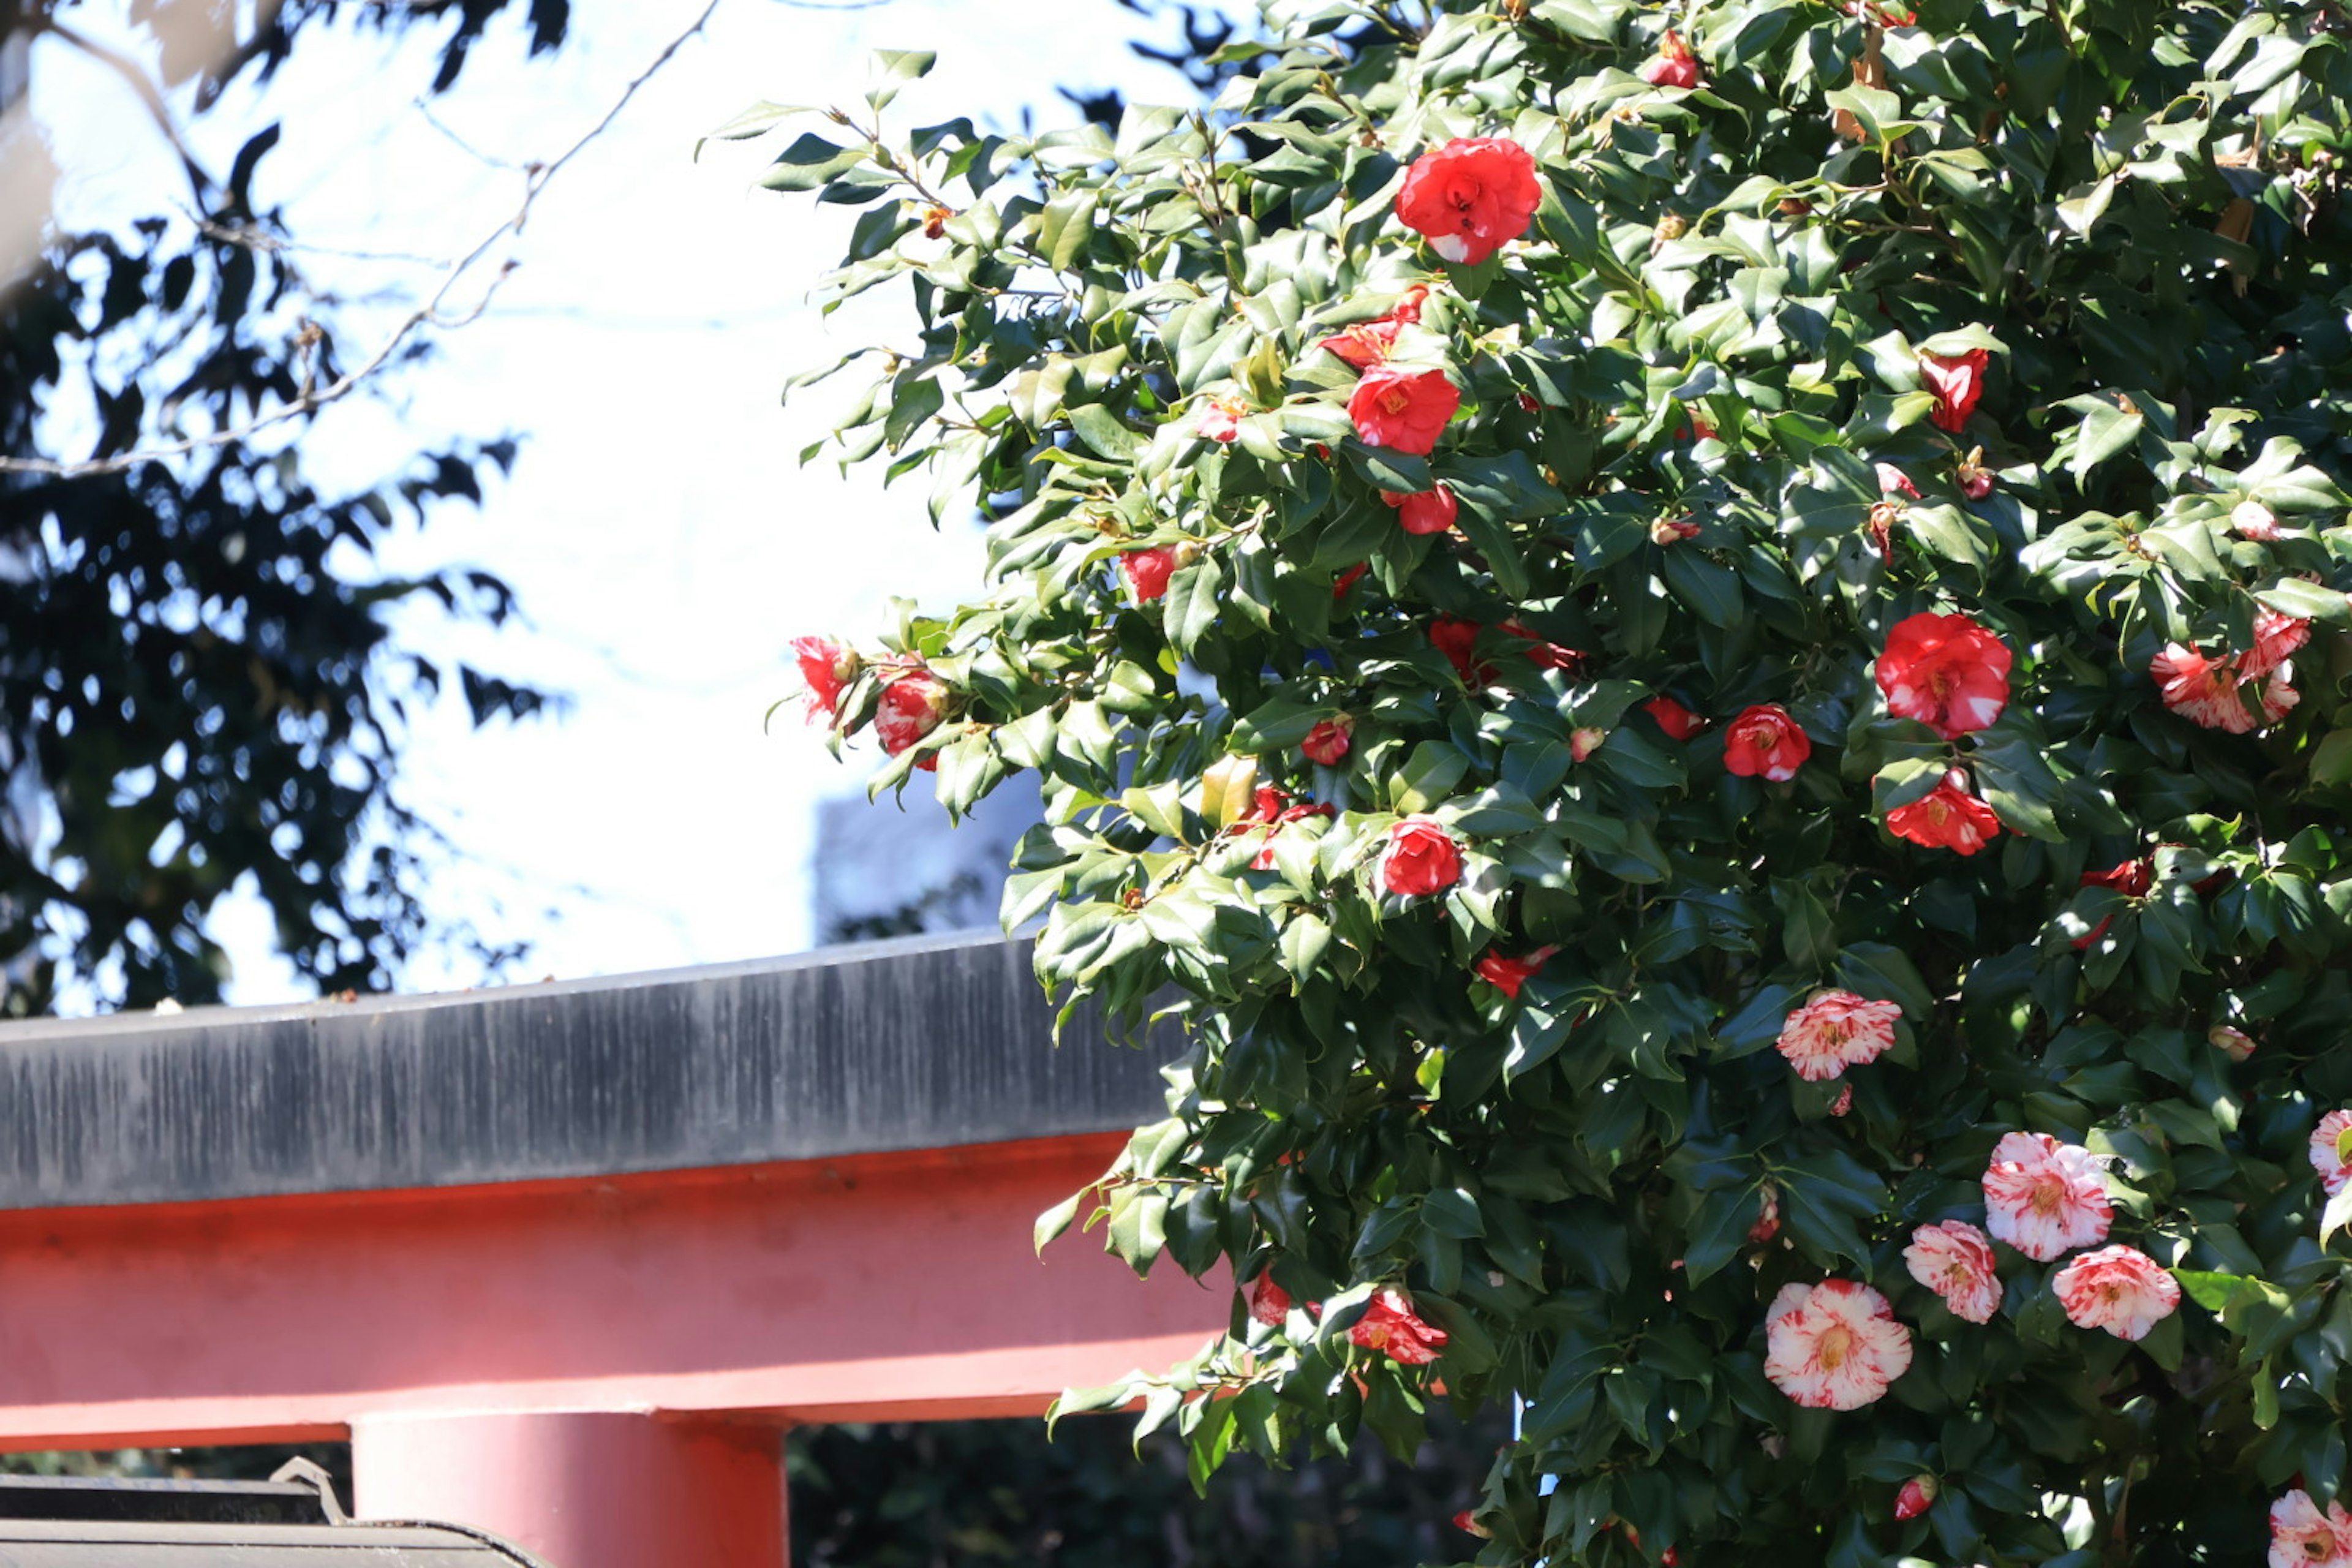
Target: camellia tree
point(1704, 649)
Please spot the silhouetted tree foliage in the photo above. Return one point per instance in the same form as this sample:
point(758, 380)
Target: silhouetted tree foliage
point(948, 1494)
point(197, 677)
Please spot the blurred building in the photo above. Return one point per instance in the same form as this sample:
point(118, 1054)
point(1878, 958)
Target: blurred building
point(894, 869)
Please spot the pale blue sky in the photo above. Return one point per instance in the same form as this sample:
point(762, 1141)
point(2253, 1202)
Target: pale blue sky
point(664, 543)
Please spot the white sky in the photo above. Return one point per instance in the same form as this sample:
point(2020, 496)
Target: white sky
point(664, 544)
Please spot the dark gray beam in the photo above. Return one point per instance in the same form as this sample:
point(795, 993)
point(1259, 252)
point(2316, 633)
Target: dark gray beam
point(921, 1043)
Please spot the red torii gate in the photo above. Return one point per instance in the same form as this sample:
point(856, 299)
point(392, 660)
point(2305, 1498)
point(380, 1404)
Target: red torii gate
point(564, 1260)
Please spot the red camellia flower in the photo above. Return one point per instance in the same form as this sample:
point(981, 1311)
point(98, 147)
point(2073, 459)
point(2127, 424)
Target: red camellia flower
point(1673, 65)
point(1402, 410)
point(1456, 639)
point(912, 706)
point(1957, 382)
point(1277, 816)
point(2119, 1288)
point(1541, 654)
point(1674, 717)
point(1329, 742)
point(1470, 197)
point(1947, 817)
point(1507, 975)
point(1148, 572)
point(1918, 1496)
point(1424, 511)
point(1367, 343)
point(2131, 878)
point(1764, 742)
point(1422, 858)
point(1221, 420)
point(826, 666)
point(1364, 344)
point(1269, 1303)
point(1389, 1326)
point(1946, 671)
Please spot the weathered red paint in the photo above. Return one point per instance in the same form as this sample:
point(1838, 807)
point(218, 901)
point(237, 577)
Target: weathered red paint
point(881, 1287)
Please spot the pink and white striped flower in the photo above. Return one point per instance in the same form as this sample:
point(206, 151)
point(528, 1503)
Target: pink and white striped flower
point(1954, 1260)
point(1835, 1031)
point(2119, 1288)
point(2302, 1537)
point(2331, 1150)
point(1834, 1345)
point(2043, 1198)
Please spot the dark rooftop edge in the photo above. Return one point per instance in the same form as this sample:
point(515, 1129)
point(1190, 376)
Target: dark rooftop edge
point(924, 1042)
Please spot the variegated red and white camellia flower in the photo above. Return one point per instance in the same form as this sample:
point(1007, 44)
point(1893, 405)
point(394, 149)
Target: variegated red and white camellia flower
point(1836, 1030)
point(1834, 1345)
point(2303, 1536)
point(1946, 671)
point(2331, 1150)
point(2238, 693)
point(2119, 1288)
point(1764, 742)
point(2045, 1198)
point(1955, 1260)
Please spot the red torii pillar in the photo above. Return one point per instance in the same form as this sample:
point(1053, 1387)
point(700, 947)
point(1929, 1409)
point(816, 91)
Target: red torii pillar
point(598, 1366)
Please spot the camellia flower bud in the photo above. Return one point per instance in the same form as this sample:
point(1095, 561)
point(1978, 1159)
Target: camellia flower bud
point(1582, 742)
point(1918, 1494)
point(1976, 479)
point(1673, 531)
point(2252, 519)
point(2239, 1044)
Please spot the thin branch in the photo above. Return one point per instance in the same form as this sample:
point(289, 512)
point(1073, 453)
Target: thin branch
point(432, 313)
point(142, 88)
point(459, 142)
point(253, 238)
